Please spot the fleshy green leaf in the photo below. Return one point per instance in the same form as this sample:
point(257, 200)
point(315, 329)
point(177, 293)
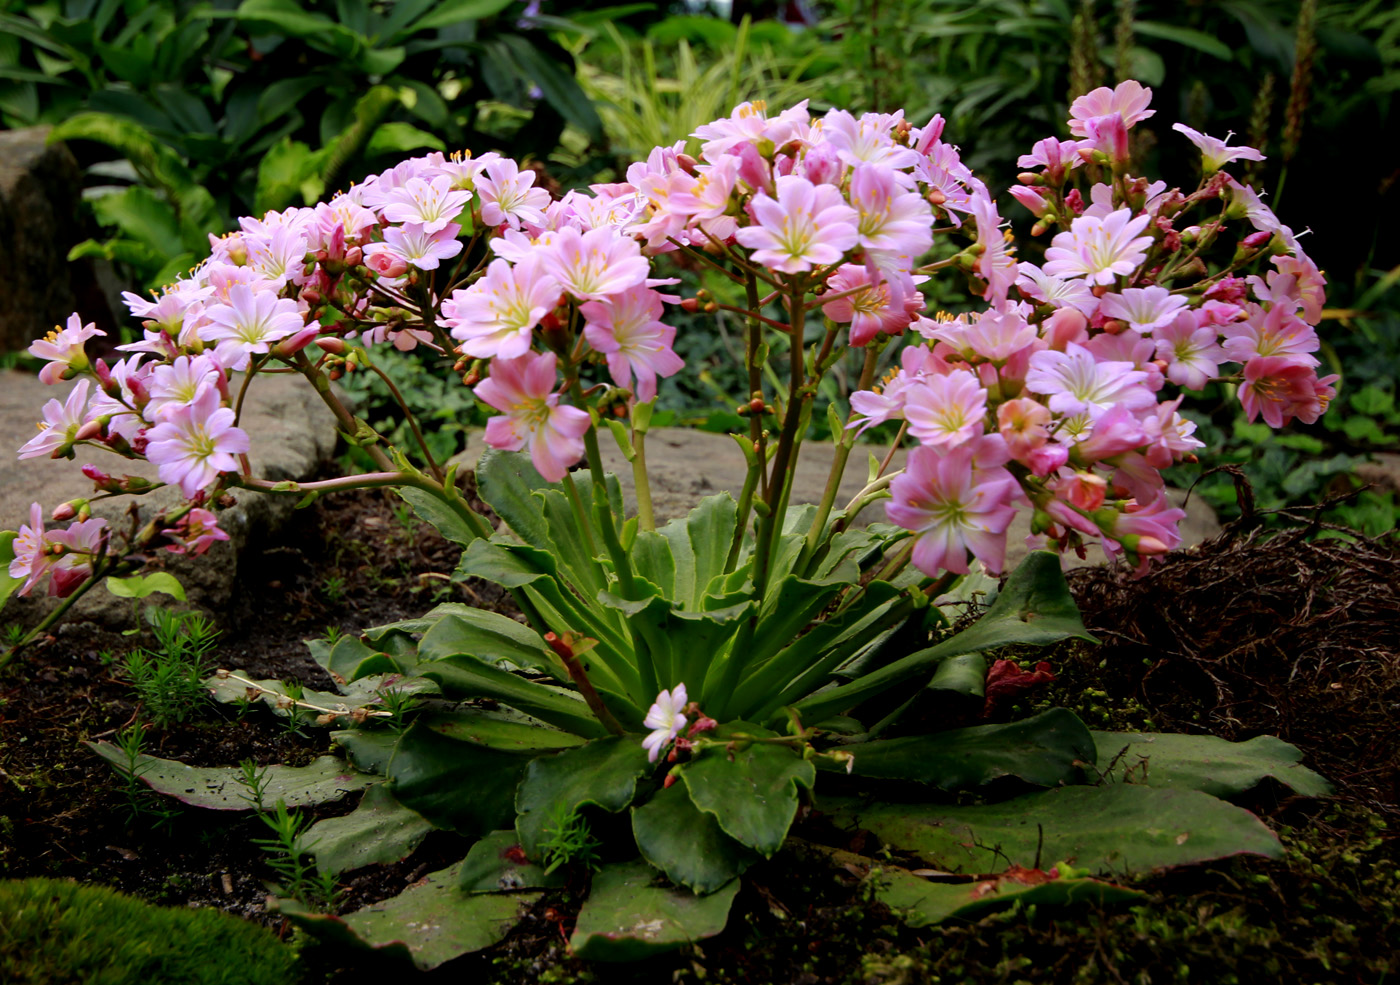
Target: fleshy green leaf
point(395, 137)
point(430, 923)
point(1108, 829)
point(506, 481)
point(8, 584)
point(751, 790)
point(379, 830)
point(1205, 762)
point(1045, 750)
point(603, 774)
point(488, 637)
point(324, 781)
point(443, 518)
point(627, 916)
point(921, 903)
point(1033, 607)
point(140, 586)
point(450, 12)
point(466, 677)
point(458, 785)
point(686, 843)
point(492, 866)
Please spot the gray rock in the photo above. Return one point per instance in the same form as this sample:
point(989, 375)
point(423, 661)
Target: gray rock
point(685, 466)
point(292, 434)
point(1383, 472)
point(40, 188)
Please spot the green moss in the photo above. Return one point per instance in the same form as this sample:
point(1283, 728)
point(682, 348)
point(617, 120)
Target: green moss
point(54, 932)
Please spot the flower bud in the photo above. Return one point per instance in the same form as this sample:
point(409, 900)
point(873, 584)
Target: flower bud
point(333, 345)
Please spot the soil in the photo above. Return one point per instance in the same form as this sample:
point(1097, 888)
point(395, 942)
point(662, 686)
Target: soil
point(1287, 634)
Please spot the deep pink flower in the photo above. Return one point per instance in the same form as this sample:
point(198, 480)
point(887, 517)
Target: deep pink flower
point(81, 543)
point(952, 508)
point(628, 330)
point(1280, 388)
point(195, 533)
point(871, 309)
point(523, 390)
point(194, 442)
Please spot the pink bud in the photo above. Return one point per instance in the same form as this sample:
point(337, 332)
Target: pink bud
point(63, 512)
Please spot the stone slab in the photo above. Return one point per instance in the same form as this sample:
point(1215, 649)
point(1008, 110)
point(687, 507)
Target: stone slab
point(685, 466)
point(292, 434)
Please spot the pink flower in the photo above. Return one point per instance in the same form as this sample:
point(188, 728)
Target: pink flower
point(81, 543)
point(595, 264)
point(871, 309)
point(892, 220)
point(250, 323)
point(953, 507)
point(59, 428)
point(415, 247)
point(32, 558)
point(665, 720)
point(807, 225)
point(1276, 332)
point(522, 389)
point(1280, 389)
point(1127, 103)
point(1099, 249)
point(508, 195)
point(1077, 383)
point(193, 443)
point(179, 382)
point(430, 204)
point(1025, 426)
point(627, 329)
point(1193, 358)
point(1214, 152)
point(1143, 308)
point(494, 318)
point(946, 411)
point(63, 348)
point(995, 264)
point(195, 533)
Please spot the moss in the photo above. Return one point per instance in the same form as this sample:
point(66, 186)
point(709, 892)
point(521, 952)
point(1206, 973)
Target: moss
point(54, 932)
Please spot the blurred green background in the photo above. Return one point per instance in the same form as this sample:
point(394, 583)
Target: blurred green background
point(187, 115)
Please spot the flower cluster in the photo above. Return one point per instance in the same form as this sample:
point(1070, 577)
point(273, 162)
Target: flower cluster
point(1054, 398)
point(1059, 396)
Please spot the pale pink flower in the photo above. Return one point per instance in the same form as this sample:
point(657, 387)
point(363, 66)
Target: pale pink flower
point(523, 390)
point(627, 329)
point(430, 204)
point(892, 220)
point(508, 195)
point(1128, 103)
point(59, 428)
point(748, 123)
point(32, 557)
point(592, 265)
point(82, 542)
point(946, 411)
point(251, 322)
point(1146, 529)
point(63, 348)
point(1193, 358)
point(1056, 290)
point(1113, 433)
point(1025, 426)
point(665, 719)
point(995, 265)
point(194, 442)
point(1308, 284)
point(1143, 308)
point(416, 247)
point(179, 382)
point(1077, 383)
point(952, 508)
point(1215, 153)
point(807, 225)
point(1276, 332)
point(494, 318)
point(279, 256)
point(867, 140)
point(1099, 249)
point(1052, 154)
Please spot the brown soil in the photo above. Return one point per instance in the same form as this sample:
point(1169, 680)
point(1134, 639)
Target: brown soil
point(1244, 636)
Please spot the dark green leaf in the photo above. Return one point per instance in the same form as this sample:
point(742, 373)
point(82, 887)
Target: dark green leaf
point(449, 12)
point(1045, 750)
point(1199, 40)
point(686, 843)
point(492, 867)
point(324, 781)
point(379, 830)
point(466, 677)
point(964, 675)
point(443, 518)
point(430, 923)
point(603, 774)
point(1205, 762)
point(1116, 828)
point(462, 786)
point(490, 638)
point(506, 481)
point(752, 789)
point(627, 916)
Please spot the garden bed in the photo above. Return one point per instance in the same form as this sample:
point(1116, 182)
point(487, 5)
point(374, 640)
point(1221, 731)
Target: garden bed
point(1244, 636)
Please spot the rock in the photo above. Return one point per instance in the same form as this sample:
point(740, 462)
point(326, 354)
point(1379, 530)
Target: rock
point(685, 466)
point(292, 435)
point(1382, 473)
point(40, 189)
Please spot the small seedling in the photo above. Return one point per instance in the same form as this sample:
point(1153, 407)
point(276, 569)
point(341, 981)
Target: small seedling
point(255, 778)
point(169, 679)
point(399, 703)
point(568, 840)
point(294, 862)
point(333, 588)
point(332, 635)
point(138, 800)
